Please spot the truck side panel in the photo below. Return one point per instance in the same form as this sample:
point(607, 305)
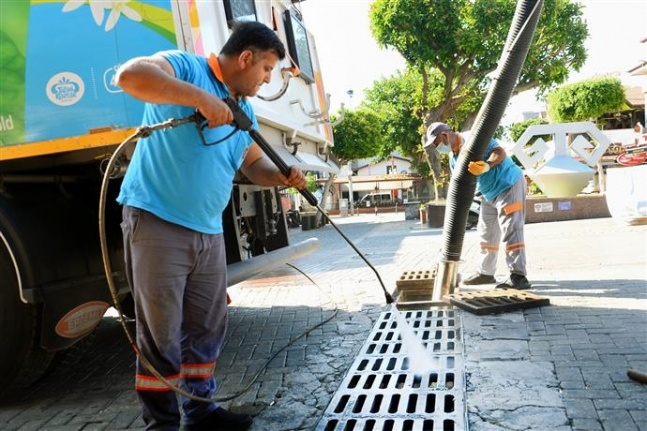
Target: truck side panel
point(62, 116)
point(61, 69)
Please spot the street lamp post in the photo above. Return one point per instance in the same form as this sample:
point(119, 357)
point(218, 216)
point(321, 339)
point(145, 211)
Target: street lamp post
point(350, 187)
point(350, 167)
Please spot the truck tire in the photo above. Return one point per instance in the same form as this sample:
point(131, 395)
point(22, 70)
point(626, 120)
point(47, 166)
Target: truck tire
point(22, 361)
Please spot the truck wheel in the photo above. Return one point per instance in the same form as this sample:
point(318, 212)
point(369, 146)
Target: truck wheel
point(22, 361)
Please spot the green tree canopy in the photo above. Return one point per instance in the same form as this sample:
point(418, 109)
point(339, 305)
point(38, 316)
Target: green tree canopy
point(516, 130)
point(360, 135)
point(462, 40)
point(452, 48)
point(395, 98)
point(586, 100)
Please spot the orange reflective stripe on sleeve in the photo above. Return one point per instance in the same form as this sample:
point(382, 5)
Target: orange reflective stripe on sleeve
point(515, 247)
point(197, 371)
point(512, 208)
point(153, 384)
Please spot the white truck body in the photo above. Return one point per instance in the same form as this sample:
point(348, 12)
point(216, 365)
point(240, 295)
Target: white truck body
point(61, 116)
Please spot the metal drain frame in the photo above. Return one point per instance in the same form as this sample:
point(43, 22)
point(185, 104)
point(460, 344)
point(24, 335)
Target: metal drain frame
point(380, 393)
point(496, 301)
point(415, 286)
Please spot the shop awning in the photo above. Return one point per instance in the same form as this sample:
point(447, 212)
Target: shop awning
point(310, 162)
point(305, 161)
point(365, 183)
point(379, 186)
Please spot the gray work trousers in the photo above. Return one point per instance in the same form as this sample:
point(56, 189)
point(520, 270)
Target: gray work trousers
point(179, 284)
point(502, 220)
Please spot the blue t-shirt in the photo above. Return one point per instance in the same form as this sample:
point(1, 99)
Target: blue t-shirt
point(172, 173)
point(497, 180)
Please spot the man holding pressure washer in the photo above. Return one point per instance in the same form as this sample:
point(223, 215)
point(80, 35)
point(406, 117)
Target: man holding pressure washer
point(177, 185)
point(503, 188)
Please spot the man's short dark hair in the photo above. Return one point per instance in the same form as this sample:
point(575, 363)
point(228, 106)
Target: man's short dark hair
point(254, 36)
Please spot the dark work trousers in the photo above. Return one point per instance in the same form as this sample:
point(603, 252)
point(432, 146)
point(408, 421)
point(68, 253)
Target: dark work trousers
point(179, 284)
point(505, 216)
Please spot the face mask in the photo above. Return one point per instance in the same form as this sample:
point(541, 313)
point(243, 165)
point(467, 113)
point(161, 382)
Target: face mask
point(443, 148)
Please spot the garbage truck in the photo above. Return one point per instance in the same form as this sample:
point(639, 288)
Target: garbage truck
point(61, 118)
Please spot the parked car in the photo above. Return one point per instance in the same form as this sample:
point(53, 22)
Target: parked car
point(379, 199)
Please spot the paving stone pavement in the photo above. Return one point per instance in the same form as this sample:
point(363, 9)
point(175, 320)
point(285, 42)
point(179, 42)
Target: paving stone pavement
point(554, 368)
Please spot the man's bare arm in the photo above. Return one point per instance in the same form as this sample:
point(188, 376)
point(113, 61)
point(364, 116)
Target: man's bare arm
point(260, 170)
point(152, 79)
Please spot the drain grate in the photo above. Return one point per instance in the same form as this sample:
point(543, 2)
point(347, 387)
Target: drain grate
point(436, 329)
point(379, 393)
point(415, 286)
point(389, 425)
point(496, 301)
point(408, 278)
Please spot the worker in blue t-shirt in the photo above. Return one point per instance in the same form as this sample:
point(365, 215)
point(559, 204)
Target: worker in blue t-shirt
point(173, 195)
point(502, 217)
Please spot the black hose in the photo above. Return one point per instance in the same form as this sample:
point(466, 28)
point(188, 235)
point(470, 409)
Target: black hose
point(197, 119)
point(243, 122)
point(463, 184)
point(145, 131)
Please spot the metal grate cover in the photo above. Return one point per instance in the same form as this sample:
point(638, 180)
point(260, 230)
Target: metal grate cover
point(496, 301)
point(413, 278)
point(380, 393)
point(415, 286)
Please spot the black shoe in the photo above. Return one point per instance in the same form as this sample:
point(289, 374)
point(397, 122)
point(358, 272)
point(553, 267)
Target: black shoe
point(222, 420)
point(516, 281)
point(479, 279)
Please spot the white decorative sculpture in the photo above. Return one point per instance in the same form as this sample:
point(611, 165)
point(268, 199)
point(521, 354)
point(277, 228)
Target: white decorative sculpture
point(551, 164)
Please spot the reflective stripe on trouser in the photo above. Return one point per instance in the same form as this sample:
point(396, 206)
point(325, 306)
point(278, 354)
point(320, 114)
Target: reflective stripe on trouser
point(505, 216)
point(179, 283)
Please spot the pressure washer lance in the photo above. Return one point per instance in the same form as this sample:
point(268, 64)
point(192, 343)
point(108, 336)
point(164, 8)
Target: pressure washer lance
point(243, 122)
point(418, 362)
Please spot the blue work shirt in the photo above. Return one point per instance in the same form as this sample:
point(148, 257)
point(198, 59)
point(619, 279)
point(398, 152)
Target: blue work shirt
point(498, 179)
point(172, 173)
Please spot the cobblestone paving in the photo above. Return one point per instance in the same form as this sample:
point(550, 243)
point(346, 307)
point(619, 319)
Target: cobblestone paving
point(554, 368)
